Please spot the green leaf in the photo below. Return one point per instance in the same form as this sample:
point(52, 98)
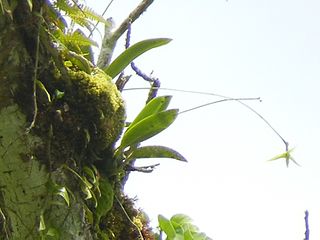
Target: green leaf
point(59, 190)
point(58, 94)
point(156, 105)
point(86, 188)
point(30, 4)
point(179, 220)
point(62, 191)
point(91, 174)
point(43, 88)
point(42, 225)
point(166, 226)
point(127, 56)
point(88, 213)
point(81, 62)
point(148, 127)
point(156, 152)
point(188, 235)
point(200, 236)
point(105, 202)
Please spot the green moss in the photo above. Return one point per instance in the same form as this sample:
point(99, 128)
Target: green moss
point(117, 225)
point(99, 105)
point(87, 121)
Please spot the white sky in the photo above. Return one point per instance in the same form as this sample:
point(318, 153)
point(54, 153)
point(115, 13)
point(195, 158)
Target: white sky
point(240, 48)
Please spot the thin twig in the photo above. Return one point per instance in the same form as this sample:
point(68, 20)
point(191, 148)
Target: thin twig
point(306, 219)
point(134, 15)
point(219, 101)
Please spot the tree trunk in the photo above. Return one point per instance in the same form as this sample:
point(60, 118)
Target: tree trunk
point(57, 125)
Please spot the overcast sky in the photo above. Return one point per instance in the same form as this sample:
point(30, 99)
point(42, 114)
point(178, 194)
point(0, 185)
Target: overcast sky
point(238, 48)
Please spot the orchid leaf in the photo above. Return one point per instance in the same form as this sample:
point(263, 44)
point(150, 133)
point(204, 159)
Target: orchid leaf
point(156, 152)
point(127, 56)
point(148, 127)
point(156, 105)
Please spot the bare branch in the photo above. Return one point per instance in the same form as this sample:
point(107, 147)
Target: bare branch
point(110, 38)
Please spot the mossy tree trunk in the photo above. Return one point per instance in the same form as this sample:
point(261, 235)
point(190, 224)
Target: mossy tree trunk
point(40, 160)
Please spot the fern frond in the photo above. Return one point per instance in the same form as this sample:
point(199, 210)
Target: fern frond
point(80, 39)
point(92, 15)
point(79, 14)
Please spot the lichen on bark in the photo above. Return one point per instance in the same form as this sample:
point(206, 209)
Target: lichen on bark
point(77, 126)
point(22, 178)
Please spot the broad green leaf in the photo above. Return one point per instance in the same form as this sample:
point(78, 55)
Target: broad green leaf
point(187, 235)
point(156, 152)
point(156, 105)
point(179, 220)
point(105, 202)
point(148, 127)
point(126, 57)
point(200, 236)
point(166, 226)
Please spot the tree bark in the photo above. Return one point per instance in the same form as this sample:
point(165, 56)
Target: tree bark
point(47, 141)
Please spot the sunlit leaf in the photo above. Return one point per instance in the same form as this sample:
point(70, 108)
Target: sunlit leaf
point(90, 173)
point(62, 191)
point(200, 236)
point(178, 220)
point(43, 88)
point(42, 225)
point(166, 226)
point(188, 235)
point(156, 152)
point(148, 127)
point(58, 94)
point(126, 57)
point(58, 190)
point(156, 105)
point(30, 4)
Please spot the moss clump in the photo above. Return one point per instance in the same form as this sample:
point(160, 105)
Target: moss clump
point(86, 117)
point(98, 105)
point(117, 225)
